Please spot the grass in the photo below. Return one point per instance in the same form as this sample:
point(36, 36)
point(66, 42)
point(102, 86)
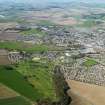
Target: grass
point(33, 80)
point(36, 32)
point(15, 81)
point(20, 46)
point(14, 101)
point(89, 62)
point(39, 75)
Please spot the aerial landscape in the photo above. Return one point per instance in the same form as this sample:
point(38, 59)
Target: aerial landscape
point(52, 52)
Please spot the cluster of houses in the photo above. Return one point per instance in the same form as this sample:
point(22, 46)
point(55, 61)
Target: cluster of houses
point(77, 44)
point(93, 75)
point(74, 69)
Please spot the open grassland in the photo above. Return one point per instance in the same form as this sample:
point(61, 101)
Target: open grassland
point(14, 101)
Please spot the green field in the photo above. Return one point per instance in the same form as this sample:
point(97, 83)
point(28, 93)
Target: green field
point(15, 81)
point(14, 101)
point(36, 32)
point(20, 46)
point(89, 62)
point(39, 75)
point(31, 79)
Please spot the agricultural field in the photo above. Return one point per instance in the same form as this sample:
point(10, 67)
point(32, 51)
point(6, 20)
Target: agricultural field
point(86, 94)
point(4, 57)
point(20, 46)
point(39, 74)
point(4, 60)
point(9, 36)
point(15, 81)
point(6, 92)
point(38, 42)
point(35, 77)
point(14, 101)
point(35, 32)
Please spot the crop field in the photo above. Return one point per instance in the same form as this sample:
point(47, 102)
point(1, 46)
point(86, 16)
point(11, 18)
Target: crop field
point(89, 23)
point(15, 81)
point(4, 60)
point(6, 92)
point(33, 80)
point(46, 22)
point(10, 36)
point(93, 93)
point(20, 46)
point(14, 101)
point(40, 77)
point(69, 21)
point(78, 99)
point(35, 32)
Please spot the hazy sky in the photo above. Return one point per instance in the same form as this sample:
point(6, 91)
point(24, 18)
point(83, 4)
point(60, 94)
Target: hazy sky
point(42, 1)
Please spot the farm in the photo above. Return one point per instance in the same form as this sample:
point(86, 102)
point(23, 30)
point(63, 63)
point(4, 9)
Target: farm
point(13, 79)
point(14, 101)
point(39, 75)
point(34, 77)
point(20, 46)
point(35, 32)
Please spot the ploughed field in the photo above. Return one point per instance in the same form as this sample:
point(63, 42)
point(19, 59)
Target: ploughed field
point(6, 92)
point(83, 92)
point(4, 60)
point(4, 57)
point(78, 99)
point(10, 36)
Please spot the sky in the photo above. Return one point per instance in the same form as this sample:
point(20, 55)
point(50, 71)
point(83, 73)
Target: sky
point(43, 1)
